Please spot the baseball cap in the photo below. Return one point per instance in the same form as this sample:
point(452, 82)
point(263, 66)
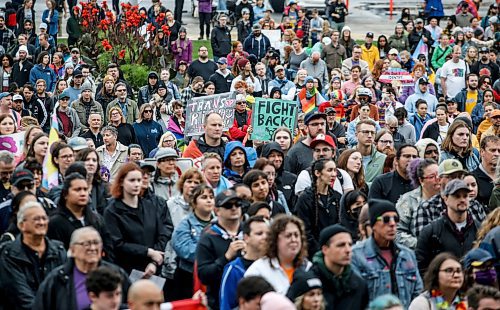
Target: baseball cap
point(144, 165)
point(476, 257)
point(321, 138)
point(369, 35)
point(75, 49)
point(495, 113)
point(166, 152)
point(330, 110)
point(65, 94)
point(419, 20)
point(17, 97)
point(78, 143)
point(449, 166)
point(313, 115)
point(393, 51)
point(256, 27)
point(226, 196)
point(77, 73)
point(278, 67)
point(484, 49)
point(454, 186)
point(423, 80)
point(21, 175)
point(222, 61)
point(42, 26)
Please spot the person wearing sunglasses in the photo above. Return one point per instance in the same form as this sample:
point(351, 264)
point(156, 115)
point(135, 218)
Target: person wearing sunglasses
point(221, 242)
point(147, 131)
point(454, 231)
point(380, 259)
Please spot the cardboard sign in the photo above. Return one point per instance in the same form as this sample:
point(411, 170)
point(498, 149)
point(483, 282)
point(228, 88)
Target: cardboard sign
point(396, 74)
point(274, 36)
point(13, 143)
point(269, 114)
point(198, 107)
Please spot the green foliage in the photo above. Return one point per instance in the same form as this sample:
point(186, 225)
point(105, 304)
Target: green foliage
point(197, 44)
point(103, 60)
point(136, 75)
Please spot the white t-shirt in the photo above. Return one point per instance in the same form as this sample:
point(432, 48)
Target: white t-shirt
point(455, 76)
point(304, 181)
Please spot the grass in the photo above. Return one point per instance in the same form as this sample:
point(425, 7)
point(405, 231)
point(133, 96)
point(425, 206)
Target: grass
point(197, 44)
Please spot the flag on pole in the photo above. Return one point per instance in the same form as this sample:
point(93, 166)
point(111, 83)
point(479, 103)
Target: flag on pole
point(422, 48)
point(50, 172)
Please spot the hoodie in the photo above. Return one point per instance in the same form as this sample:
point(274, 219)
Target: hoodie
point(431, 100)
point(221, 41)
point(222, 81)
point(422, 146)
point(231, 175)
point(257, 47)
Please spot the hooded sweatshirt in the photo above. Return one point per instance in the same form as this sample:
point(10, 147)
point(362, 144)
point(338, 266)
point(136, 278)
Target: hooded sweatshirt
point(231, 175)
point(431, 100)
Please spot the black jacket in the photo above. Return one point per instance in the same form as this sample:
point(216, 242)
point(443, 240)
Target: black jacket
point(134, 231)
point(316, 215)
point(389, 186)
point(213, 244)
point(21, 76)
point(347, 220)
point(432, 131)
point(62, 224)
point(205, 148)
point(222, 84)
point(150, 199)
point(414, 38)
point(57, 291)
point(19, 279)
point(285, 181)
point(442, 236)
point(221, 41)
point(98, 141)
point(351, 293)
point(484, 186)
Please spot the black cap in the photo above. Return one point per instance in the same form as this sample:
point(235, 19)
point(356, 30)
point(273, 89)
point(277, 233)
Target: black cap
point(484, 49)
point(370, 35)
point(303, 282)
point(423, 80)
point(21, 175)
point(146, 166)
point(330, 231)
point(377, 207)
point(77, 72)
point(226, 196)
point(313, 115)
point(161, 84)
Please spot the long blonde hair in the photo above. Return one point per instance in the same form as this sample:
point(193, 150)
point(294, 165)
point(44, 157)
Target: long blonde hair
point(490, 222)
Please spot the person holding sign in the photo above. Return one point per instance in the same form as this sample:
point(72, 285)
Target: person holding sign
point(242, 125)
point(309, 97)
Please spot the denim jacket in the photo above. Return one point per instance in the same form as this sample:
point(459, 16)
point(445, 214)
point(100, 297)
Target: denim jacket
point(373, 268)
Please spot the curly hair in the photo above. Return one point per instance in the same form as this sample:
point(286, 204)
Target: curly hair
point(278, 226)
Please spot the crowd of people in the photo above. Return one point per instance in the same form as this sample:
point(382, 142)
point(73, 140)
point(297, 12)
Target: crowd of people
point(384, 195)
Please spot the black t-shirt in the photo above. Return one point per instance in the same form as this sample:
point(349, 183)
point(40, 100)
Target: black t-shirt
point(340, 9)
point(205, 70)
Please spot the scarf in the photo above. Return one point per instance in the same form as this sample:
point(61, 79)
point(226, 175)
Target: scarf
point(308, 99)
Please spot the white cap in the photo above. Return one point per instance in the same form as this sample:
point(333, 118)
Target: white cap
point(43, 26)
point(393, 51)
point(17, 97)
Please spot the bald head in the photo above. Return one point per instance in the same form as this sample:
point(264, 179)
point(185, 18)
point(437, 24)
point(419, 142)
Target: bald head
point(143, 295)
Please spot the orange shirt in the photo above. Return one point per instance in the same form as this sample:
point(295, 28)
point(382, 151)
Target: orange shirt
point(289, 272)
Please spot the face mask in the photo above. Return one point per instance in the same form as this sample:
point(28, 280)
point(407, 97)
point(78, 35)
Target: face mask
point(486, 277)
point(355, 213)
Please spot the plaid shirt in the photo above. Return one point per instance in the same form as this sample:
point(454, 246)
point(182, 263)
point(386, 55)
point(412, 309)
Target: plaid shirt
point(186, 95)
point(7, 38)
point(430, 210)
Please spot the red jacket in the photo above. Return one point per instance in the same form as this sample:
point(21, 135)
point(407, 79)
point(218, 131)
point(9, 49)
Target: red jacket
point(239, 134)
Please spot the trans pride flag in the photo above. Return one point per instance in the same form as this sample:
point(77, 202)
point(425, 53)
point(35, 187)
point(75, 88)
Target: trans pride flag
point(50, 173)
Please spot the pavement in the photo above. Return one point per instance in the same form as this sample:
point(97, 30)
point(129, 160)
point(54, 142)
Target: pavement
point(364, 15)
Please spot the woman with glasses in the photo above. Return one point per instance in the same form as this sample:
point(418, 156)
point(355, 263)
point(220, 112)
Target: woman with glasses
point(126, 132)
point(423, 174)
point(458, 145)
point(318, 205)
point(62, 157)
point(147, 130)
point(138, 232)
point(442, 283)
point(167, 140)
point(286, 253)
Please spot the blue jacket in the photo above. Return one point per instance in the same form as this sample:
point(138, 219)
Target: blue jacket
point(419, 122)
point(54, 22)
point(228, 173)
point(256, 47)
point(233, 273)
point(461, 98)
point(434, 8)
point(431, 100)
point(47, 74)
point(477, 115)
point(148, 135)
point(471, 161)
point(185, 239)
point(368, 262)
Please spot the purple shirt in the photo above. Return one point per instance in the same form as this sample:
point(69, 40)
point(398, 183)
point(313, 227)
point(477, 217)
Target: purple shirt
point(82, 298)
point(205, 6)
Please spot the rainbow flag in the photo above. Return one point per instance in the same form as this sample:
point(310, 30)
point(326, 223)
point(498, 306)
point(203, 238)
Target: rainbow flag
point(50, 173)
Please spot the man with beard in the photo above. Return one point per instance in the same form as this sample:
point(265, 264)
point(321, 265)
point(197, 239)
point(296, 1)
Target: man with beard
point(75, 59)
point(485, 173)
point(202, 66)
point(146, 92)
point(342, 288)
point(222, 78)
point(260, 69)
point(453, 74)
point(300, 156)
point(22, 68)
point(220, 39)
point(128, 106)
point(369, 52)
point(22, 39)
point(43, 96)
point(350, 85)
point(470, 96)
point(114, 72)
point(484, 62)
point(36, 106)
point(316, 67)
point(390, 186)
point(257, 43)
point(419, 33)
point(29, 32)
point(44, 45)
point(255, 231)
point(285, 180)
point(75, 85)
point(395, 265)
point(193, 90)
point(454, 232)
point(18, 106)
point(288, 88)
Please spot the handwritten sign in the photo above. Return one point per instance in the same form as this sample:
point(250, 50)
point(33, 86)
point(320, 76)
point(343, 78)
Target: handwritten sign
point(274, 37)
point(13, 143)
point(198, 107)
point(396, 74)
point(269, 114)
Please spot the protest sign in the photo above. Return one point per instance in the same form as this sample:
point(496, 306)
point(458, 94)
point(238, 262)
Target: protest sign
point(13, 143)
point(269, 114)
point(198, 107)
point(274, 36)
point(396, 74)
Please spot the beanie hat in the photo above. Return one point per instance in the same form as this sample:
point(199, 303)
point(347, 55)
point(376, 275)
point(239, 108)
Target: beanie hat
point(85, 86)
point(242, 63)
point(303, 282)
point(107, 78)
point(377, 207)
point(331, 231)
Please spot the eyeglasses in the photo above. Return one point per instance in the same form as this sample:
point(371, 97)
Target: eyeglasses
point(64, 99)
point(120, 90)
point(241, 102)
point(386, 219)
point(385, 141)
point(452, 271)
point(40, 218)
point(368, 132)
point(89, 243)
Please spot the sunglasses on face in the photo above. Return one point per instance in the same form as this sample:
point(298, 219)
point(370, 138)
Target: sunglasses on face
point(386, 219)
point(231, 204)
